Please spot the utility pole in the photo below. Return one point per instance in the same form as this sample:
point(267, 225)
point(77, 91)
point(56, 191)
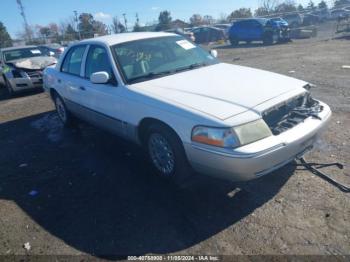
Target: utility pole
point(26, 25)
point(137, 19)
point(76, 23)
point(125, 22)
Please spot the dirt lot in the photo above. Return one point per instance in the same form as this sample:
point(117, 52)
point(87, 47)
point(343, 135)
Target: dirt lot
point(95, 195)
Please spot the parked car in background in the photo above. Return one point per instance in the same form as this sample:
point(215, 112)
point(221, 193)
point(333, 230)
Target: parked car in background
point(260, 29)
point(294, 20)
point(283, 26)
point(225, 27)
point(280, 21)
point(55, 50)
point(339, 13)
point(21, 67)
point(187, 34)
point(207, 34)
point(311, 19)
point(323, 14)
point(184, 107)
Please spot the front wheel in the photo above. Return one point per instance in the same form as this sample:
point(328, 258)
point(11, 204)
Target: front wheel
point(9, 88)
point(166, 154)
point(234, 41)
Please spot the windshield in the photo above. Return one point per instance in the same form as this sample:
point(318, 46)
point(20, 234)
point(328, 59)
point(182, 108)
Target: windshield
point(21, 53)
point(156, 57)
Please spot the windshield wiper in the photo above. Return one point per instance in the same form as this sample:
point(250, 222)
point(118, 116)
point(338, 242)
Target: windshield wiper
point(150, 75)
point(190, 67)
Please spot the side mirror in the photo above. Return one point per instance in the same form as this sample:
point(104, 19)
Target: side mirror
point(51, 53)
point(214, 53)
point(99, 78)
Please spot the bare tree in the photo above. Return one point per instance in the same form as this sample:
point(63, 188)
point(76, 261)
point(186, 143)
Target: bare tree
point(240, 13)
point(268, 5)
point(196, 20)
point(208, 19)
point(223, 18)
point(117, 26)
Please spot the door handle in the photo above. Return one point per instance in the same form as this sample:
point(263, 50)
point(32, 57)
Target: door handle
point(82, 88)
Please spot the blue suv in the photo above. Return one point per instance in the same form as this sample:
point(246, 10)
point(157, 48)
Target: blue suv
point(266, 30)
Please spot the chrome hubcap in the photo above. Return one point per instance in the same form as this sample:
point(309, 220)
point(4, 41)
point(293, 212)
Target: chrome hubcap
point(161, 154)
point(61, 110)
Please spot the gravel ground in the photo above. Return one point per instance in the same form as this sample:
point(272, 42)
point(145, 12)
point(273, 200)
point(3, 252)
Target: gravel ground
point(85, 192)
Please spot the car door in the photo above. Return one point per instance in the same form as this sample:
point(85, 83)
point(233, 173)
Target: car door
point(206, 34)
point(198, 35)
point(70, 79)
point(2, 64)
point(242, 30)
point(103, 101)
point(255, 30)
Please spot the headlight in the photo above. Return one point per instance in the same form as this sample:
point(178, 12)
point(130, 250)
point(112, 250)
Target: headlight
point(17, 73)
point(253, 131)
point(221, 137)
point(231, 137)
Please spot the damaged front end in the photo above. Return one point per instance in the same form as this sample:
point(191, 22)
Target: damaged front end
point(289, 114)
point(26, 73)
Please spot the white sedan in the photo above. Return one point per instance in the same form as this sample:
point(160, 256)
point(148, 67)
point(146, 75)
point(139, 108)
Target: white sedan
point(186, 109)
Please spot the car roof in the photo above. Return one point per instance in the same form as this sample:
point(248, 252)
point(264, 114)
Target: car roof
point(260, 20)
point(111, 40)
point(18, 47)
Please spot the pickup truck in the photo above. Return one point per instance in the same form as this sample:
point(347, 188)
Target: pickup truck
point(186, 109)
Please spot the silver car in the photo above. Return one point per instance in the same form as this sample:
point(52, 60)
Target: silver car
point(21, 67)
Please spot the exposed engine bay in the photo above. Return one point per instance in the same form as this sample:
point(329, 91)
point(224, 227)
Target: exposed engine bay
point(285, 116)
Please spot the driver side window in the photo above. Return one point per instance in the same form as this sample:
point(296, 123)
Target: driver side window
point(97, 61)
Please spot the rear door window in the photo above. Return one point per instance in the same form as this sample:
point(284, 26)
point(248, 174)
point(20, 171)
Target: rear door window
point(73, 60)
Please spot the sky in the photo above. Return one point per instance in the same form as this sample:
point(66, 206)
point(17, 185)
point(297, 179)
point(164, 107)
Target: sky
point(43, 12)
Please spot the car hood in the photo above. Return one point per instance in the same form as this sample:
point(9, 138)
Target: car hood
point(35, 63)
point(222, 90)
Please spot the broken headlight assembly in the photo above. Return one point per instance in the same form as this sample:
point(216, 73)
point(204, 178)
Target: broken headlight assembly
point(231, 137)
point(289, 114)
point(16, 73)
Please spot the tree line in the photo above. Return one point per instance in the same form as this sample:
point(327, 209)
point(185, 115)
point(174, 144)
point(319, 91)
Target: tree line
point(86, 26)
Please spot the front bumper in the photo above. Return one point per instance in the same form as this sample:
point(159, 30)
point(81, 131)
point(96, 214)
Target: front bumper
point(24, 83)
point(260, 158)
point(284, 33)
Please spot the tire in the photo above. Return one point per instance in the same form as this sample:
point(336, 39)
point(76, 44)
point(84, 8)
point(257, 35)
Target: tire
point(63, 114)
point(166, 154)
point(234, 41)
point(9, 88)
point(268, 39)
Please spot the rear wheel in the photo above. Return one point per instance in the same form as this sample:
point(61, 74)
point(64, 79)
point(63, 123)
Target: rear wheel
point(62, 112)
point(268, 39)
point(234, 41)
point(166, 153)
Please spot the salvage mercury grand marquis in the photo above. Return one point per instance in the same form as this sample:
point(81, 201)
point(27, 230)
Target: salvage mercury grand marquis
point(185, 108)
